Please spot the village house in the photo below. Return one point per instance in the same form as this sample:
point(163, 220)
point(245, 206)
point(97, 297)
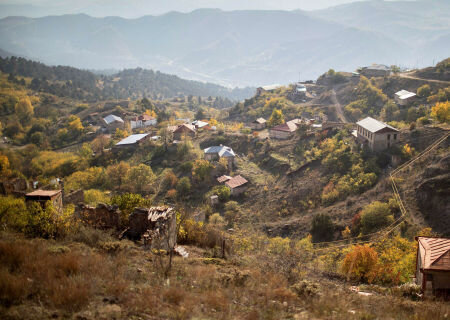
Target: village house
point(269, 88)
point(283, 131)
point(433, 266)
point(258, 124)
point(42, 196)
point(157, 225)
point(143, 121)
point(376, 134)
point(237, 185)
point(112, 123)
point(183, 131)
point(376, 70)
point(198, 124)
point(133, 141)
point(215, 153)
point(404, 97)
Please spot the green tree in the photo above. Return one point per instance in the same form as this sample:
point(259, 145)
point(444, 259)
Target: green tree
point(375, 216)
point(322, 228)
point(276, 118)
point(183, 187)
point(202, 169)
point(424, 91)
point(140, 177)
point(117, 174)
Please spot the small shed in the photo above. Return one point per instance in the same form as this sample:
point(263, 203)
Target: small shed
point(283, 131)
point(258, 124)
point(433, 266)
point(237, 185)
point(42, 196)
point(133, 141)
point(404, 97)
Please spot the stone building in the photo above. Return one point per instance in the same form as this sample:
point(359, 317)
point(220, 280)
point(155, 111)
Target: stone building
point(376, 134)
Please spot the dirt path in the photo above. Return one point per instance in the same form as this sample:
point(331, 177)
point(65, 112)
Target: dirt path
point(409, 75)
point(339, 110)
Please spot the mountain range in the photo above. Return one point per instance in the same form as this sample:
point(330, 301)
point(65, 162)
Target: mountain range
point(241, 48)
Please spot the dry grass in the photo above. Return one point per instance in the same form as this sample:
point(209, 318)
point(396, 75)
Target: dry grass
point(80, 280)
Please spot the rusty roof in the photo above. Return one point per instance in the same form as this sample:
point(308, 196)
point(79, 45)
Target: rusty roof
point(185, 126)
point(435, 253)
point(286, 127)
point(222, 179)
point(236, 182)
point(43, 193)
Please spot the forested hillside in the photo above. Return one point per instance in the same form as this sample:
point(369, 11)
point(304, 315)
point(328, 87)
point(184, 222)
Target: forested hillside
point(84, 85)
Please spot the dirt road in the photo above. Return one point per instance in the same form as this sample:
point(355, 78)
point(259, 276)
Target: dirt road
point(339, 110)
point(410, 75)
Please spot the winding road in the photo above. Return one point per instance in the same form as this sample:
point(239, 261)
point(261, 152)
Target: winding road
point(339, 110)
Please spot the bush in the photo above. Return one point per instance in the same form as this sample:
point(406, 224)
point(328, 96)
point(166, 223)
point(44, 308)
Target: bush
point(222, 192)
point(184, 186)
point(305, 289)
point(424, 91)
point(322, 228)
point(360, 263)
point(375, 216)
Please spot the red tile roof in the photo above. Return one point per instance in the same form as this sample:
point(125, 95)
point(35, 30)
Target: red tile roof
point(236, 182)
point(435, 253)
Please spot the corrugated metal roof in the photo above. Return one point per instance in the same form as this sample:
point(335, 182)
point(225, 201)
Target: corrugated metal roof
point(378, 67)
point(111, 118)
point(434, 253)
point(374, 125)
point(272, 87)
point(222, 151)
point(43, 193)
point(134, 138)
point(404, 94)
point(236, 182)
point(200, 123)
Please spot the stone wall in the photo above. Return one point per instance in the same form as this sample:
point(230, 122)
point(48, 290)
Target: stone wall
point(102, 217)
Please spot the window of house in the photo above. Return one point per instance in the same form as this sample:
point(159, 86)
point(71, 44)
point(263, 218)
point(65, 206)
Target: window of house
point(395, 136)
point(389, 137)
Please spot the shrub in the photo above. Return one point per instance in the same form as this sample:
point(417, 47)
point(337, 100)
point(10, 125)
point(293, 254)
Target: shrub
point(375, 216)
point(424, 91)
point(184, 186)
point(322, 228)
point(305, 289)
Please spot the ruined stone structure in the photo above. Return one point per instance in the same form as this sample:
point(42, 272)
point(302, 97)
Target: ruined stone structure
point(101, 217)
point(74, 197)
point(157, 225)
point(17, 186)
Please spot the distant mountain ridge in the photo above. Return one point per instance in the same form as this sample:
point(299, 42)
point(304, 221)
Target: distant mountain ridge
point(240, 47)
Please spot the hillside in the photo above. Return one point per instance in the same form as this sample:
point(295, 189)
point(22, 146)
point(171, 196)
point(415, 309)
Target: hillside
point(84, 85)
point(220, 47)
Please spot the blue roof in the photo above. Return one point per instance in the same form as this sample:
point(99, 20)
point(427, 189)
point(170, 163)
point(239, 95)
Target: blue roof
point(134, 138)
point(111, 118)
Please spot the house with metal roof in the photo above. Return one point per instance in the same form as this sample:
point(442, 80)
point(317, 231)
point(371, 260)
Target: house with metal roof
point(258, 124)
point(237, 185)
point(375, 134)
point(433, 266)
point(143, 121)
point(133, 140)
point(198, 124)
point(404, 97)
point(111, 123)
point(283, 131)
point(215, 153)
point(376, 70)
point(183, 131)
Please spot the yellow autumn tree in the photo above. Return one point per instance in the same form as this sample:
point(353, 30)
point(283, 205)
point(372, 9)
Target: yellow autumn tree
point(151, 113)
point(24, 110)
point(276, 118)
point(361, 263)
point(441, 111)
point(4, 166)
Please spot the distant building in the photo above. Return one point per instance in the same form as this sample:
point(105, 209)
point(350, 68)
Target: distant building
point(112, 123)
point(283, 131)
point(433, 266)
point(42, 196)
point(214, 153)
point(198, 124)
point(404, 97)
point(184, 130)
point(258, 124)
point(376, 134)
point(237, 185)
point(133, 140)
point(143, 121)
point(376, 70)
point(223, 179)
point(269, 88)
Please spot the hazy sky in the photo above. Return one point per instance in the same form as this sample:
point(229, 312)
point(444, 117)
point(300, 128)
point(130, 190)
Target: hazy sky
point(136, 8)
